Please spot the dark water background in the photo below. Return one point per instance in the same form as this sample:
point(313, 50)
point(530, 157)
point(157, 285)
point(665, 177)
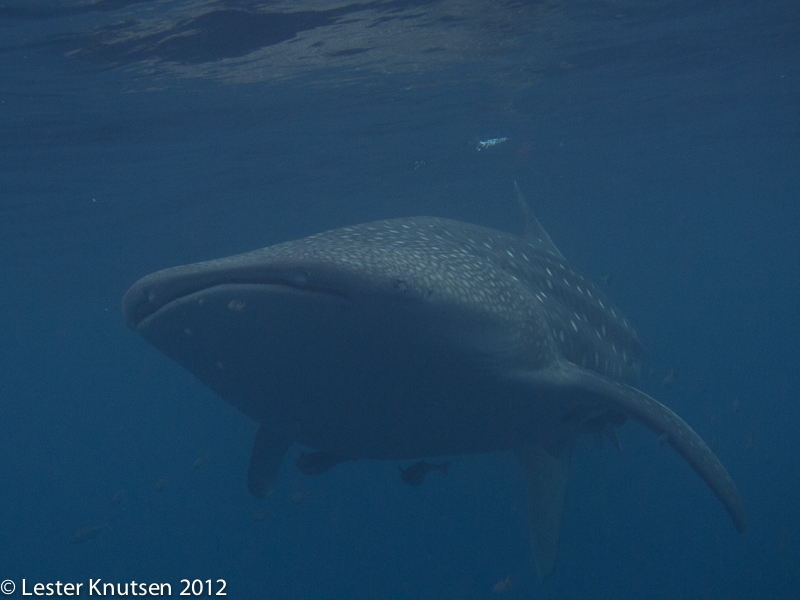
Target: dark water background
point(659, 144)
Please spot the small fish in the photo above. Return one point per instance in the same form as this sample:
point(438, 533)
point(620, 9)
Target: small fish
point(118, 498)
point(299, 497)
point(161, 484)
point(483, 144)
point(260, 515)
point(671, 378)
point(198, 462)
point(502, 586)
point(84, 535)
point(414, 474)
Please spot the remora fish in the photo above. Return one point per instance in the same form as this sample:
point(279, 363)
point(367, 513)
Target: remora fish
point(415, 337)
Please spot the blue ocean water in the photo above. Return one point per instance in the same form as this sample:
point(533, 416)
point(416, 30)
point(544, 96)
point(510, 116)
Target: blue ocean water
point(657, 141)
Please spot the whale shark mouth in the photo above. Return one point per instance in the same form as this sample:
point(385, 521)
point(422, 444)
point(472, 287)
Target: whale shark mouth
point(139, 304)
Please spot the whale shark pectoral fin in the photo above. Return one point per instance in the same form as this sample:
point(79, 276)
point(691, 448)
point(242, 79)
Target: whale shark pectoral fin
point(265, 462)
point(546, 479)
point(567, 378)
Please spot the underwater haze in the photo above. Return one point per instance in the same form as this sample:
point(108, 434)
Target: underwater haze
point(657, 142)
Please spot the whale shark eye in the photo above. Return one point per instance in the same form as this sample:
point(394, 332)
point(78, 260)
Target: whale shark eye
point(400, 286)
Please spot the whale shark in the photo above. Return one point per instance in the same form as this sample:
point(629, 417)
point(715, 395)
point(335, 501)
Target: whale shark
point(411, 338)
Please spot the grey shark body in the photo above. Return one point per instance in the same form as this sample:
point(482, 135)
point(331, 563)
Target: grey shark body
point(412, 338)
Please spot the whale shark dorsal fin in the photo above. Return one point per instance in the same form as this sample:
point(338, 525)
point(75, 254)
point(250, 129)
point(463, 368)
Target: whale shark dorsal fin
point(265, 462)
point(534, 232)
point(546, 479)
